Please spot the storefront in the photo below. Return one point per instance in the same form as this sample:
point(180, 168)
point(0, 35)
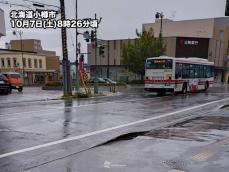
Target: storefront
point(40, 77)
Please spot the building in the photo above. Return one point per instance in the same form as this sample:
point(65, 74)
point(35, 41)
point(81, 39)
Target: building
point(2, 24)
point(38, 66)
point(204, 38)
point(109, 64)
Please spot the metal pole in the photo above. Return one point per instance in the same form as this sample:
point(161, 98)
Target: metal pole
point(20, 34)
point(108, 59)
point(66, 66)
point(96, 90)
point(77, 61)
point(161, 26)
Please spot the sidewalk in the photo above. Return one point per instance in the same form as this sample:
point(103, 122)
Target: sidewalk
point(30, 94)
point(36, 94)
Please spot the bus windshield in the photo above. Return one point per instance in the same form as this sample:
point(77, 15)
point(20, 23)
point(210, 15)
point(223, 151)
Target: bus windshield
point(159, 64)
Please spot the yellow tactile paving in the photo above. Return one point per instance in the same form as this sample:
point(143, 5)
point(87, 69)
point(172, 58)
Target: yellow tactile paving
point(174, 170)
point(211, 150)
point(203, 156)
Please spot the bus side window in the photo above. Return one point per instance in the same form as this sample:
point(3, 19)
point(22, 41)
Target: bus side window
point(201, 67)
point(205, 72)
point(178, 72)
point(192, 71)
point(212, 71)
point(196, 71)
point(186, 71)
point(208, 72)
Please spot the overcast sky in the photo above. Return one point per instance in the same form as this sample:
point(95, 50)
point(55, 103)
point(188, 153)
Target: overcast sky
point(120, 18)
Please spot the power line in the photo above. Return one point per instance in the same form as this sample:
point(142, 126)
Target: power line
point(41, 3)
point(15, 4)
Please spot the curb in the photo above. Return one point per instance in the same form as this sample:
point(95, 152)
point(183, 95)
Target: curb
point(31, 101)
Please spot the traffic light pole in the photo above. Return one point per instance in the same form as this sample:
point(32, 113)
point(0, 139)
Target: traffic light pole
point(96, 87)
point(108, 57)
point(65, 62)
point(77, 87)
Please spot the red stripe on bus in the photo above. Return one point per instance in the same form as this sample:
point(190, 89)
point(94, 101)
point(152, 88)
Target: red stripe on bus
point(203, 82)
point(176, 81)
point(168, 81)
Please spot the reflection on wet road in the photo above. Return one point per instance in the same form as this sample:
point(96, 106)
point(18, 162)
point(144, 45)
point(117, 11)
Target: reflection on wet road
point(134, 131)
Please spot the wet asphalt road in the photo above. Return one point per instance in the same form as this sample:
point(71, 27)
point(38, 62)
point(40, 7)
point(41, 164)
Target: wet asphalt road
point(134, 131)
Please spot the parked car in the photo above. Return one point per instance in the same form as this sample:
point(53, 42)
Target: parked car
point(15, 80)
point(4, 84)
point(109, 81)
point(100, 80)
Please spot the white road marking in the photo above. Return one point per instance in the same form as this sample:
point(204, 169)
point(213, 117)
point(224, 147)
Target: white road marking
point(108, 164)
point(106, 130)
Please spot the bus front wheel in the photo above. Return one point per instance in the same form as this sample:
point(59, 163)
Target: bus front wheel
point(161, 93)
point(206, 86)
point(184, 88)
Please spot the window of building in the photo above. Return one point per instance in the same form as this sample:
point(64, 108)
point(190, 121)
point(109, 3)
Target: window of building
point(40, 63)
point(121, 44)
point(29, 63)
point(8, 63)
point(114, 61)
point(2, 62)
point(15, 62)
point(221, 35)
point(24, 62)
point(35, 63)
point(114, 44)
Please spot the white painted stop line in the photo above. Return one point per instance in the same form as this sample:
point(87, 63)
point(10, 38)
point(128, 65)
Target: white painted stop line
point(105, 130)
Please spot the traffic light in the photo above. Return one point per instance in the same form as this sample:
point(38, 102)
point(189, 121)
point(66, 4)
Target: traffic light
point(86, 36)
point(82, 58)
point(93, 36)
point(101, 50)
point(157, 15)
point(227, 8)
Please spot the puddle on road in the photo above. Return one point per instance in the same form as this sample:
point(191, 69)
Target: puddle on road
point(197, 129)
point(224, 107)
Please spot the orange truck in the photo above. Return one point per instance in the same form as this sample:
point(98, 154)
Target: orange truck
point(15, 80)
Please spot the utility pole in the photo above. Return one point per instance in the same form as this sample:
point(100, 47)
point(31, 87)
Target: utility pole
point(108, 59)
point(65, 62)
point(77, 61)
point(96, 90)
point(20, 34)
point(160, 16)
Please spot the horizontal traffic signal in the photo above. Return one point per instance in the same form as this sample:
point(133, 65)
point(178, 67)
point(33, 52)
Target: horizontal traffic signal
point(227, 8)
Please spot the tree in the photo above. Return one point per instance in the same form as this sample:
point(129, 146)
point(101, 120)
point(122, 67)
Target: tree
point(146, 45)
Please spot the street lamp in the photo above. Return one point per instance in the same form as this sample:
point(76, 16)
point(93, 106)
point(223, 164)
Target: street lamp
point(160, 16)
point(15, 32)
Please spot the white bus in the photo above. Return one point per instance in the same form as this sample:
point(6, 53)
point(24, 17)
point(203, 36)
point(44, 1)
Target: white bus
point(168, 74)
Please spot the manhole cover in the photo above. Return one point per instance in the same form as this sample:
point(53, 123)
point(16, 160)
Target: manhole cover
point(176, 164)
